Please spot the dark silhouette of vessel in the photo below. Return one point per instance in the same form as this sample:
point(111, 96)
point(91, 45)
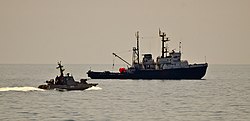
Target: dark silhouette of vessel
point(167, 66)
point(66, 82)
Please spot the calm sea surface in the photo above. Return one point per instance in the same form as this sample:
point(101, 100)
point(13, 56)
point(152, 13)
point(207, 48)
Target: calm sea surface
point(223, 95)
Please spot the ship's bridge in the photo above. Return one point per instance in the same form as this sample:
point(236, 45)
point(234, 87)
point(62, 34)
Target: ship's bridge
point(148, 61)
point(173, 60)
point(175, 56)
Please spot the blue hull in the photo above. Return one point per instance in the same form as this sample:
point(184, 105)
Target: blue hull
point(178, 73)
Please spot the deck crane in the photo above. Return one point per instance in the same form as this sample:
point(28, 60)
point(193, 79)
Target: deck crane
point(122, 59)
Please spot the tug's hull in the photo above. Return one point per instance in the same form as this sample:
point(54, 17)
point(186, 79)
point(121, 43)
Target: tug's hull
point(192, 72)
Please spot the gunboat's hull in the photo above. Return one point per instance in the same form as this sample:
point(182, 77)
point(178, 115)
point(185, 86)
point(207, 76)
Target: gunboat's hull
point(66, 87)
point(193, 72)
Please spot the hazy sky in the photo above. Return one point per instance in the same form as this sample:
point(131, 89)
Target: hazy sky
point(88, 31)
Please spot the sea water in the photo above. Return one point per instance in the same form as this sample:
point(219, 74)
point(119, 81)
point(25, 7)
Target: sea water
point(222, 95)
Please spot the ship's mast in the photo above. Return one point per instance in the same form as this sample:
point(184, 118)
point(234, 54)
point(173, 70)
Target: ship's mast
point(61, 68)
point(136, 50)
point(137, 44)
point(179, 47)
point(163, 48)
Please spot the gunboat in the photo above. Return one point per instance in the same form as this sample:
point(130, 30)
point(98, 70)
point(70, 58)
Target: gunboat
point(167, 66)
point(66, 82)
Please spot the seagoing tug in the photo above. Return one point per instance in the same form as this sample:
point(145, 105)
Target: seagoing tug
point(167, 66)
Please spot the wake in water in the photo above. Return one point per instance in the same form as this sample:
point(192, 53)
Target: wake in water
point(94, 88)
point(25, 89)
